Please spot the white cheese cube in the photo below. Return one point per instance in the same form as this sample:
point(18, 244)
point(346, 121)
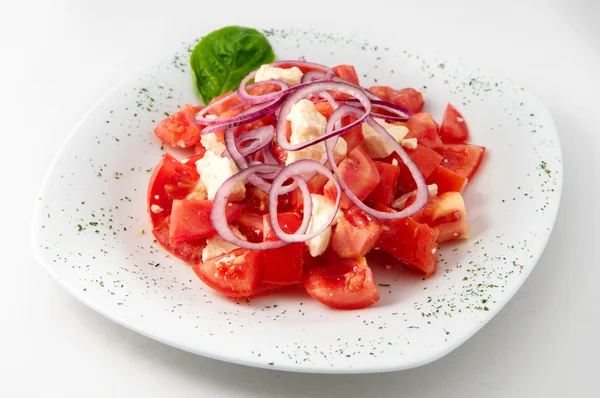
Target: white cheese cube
point(291, 76)
point(210, 143)
point(215, 246)
point(377, 147)
point(214, 170)
point(321, 212)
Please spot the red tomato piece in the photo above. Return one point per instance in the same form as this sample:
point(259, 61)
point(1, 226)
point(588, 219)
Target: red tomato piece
point(256, 201)
point(454, 128)
point(283, 266)
point(324, 108)
point(226, 105)
point(409, 241)
point(386, 189)
point(382, 92)
point(190, 219)
point(446, 214)
point(422, 127)
point(408, 98)
point(463, 159)
point(355, 234)
point(279, 153)
point(446, 180)
point(291, 202)
point(179, 129)
point(344, 285)
point(235, 274)
point(426, 161)
point(250, 225)
point(170, 180)
point(353, 137)
point(359, 173)
point(347, 73)
point(317, 184)
point(189, 251)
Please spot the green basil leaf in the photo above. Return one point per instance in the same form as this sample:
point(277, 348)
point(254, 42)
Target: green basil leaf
point(224, 57)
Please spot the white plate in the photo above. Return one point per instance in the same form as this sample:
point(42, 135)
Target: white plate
point(101, 172)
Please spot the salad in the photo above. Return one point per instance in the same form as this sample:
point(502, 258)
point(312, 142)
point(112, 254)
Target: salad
point(299, 176)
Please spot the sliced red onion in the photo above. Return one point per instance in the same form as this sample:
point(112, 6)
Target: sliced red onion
point(422, 191)
point(318, 87)
point(295, 170)
point(206, 110)
point(260, 138)
point(259, 99)
point(218, 212)
point(402, 112)
point(300, 64)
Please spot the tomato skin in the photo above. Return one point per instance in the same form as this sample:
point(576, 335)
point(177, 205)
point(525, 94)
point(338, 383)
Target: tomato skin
point(250, 225)
point(355, 234)
point(454, 128)
point(422, 127)
point(359, 173)
point(408, 98)
point(235, 274)
point(225, 106)
point(348, 73)
point(344, 285)
point(179, 129)
point(325, 109)
point(386, 189)
point(462, 159)
point(189, 251)
point(353, 137)
point(190, 219)
point(426, 161)
point(170, 180)
point(446, 180)
point(409, 241)
point(282, 266)
point(446, 214)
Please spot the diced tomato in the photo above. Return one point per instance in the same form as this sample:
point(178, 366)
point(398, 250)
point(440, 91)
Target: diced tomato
point(409, 241)
point(426, 161)
point(264, 289)
point(348, 73)
point(454, 128)
point(463, 159)
point(265, 121)
point(199, 148)
point(279, 153)
point(353, 137)
point(235, 274)
point(324, 108)
point(179, 129)
point(317, 184)
point(355, 234)
point(344, 285)
point(283, 266)
point(292, 202)
point(386, 189)
point(359, 173)
point(408, 98)
point(224, 106)
point(256, 201)
point(446, 180)
point(189, 251)
point(190, 219)
point(250, 225)
point(170, 180)
point(422, 127)
point(446, 214)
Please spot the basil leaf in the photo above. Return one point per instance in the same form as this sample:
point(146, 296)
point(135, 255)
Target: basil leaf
point(224, 57)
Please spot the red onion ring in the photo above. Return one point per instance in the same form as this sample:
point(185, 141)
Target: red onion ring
point(311, 88)
point(294, 170)
point(259, 99)
point(218, 217)
point(403, 113)
point(422, 191)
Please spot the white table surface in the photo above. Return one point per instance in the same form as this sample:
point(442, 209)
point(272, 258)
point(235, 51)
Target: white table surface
point(57, 59)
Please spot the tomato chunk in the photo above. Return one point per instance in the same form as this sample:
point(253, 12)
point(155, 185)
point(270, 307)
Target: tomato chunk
point(344, 285)
point(235, 274)
point(353, 137)
point(359, 173)
point(409, 241)
point(454, 128)
point(422, 127)
point(189, 251)
point(348, 73)
point(446, 180)
point(250, 225)
point(179, 129)
point(190, 219)
point(386, 189)
point(256, 201)
point(462, 159)
point(170, 180)
point(426, 161)
point(283, 266)
point(355, 234)
point(446, 214)
point(408, 98)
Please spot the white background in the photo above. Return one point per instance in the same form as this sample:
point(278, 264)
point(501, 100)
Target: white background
point(58, 58)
